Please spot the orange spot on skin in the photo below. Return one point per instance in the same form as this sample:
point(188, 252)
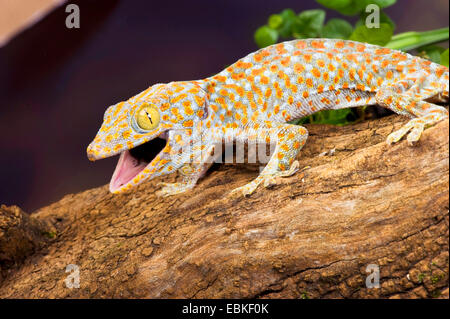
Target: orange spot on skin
point(188, 123)
point(361, 74)
point(300, 45)
point(389, 75)
point(305, 94)
point(117, 147)
point(360, 87)
point(282, 75)
point(307, 58)
point(276, 109)
point(214, 107)
point(264, 80)
point(321, 63)
point(285, 61)
point(320, 88)
point(220, 78)
point(352, 74)
point(178, 98)
point(299, 68)
point(279, 94)
point(360, 47)
point(339, 44)
point(315, 72)
point(380, 81)
point(258, 57)
point(325, 101)
point(126, 135)
point(385, 64)
point(384, 51)
point(290, 99)
point(440, 71)
point(309, 83)
point(375, 68)
point(317, 44)
point(388, 100)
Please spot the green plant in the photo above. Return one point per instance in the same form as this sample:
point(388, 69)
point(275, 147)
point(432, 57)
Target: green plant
point(312, 24)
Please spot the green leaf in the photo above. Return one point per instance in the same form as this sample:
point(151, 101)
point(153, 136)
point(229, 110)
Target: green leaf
point(337, 29)
point(384, 18)
point(444, 58)
point(265, 36)
point(345, 7)
point(275, 21)
point(412, 40)
point(309, 23)
point(335, 4)
point(431, 52)
point(335, 117)
point(353, 7)
point(289, 17)
point(379, 36)
point(381, 3)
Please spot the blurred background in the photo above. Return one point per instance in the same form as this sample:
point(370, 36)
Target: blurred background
point(56, 83)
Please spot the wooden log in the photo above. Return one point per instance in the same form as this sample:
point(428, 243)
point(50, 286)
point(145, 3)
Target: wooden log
point(359, 205)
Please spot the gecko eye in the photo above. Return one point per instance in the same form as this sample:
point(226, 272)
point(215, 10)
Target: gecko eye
point(147, 117)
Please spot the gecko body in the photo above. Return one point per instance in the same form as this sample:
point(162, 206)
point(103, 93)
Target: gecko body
point(253, 100)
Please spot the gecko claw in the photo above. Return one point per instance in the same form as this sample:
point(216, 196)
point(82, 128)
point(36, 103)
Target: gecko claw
point(268, 180)
point(170, 189)
point(415, 127)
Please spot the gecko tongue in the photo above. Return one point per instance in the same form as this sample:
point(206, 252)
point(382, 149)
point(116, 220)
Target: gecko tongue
point(127, 168)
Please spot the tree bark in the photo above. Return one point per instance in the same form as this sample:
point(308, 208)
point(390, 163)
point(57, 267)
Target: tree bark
point(361, 206)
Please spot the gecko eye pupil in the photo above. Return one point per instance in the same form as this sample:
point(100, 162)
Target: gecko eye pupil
point(147, 117)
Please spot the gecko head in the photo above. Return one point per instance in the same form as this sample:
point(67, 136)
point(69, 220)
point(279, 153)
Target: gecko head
point(139, 131)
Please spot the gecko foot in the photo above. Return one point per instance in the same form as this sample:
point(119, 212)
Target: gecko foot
point(415, 127)
point(169, 189)
point(267, 180)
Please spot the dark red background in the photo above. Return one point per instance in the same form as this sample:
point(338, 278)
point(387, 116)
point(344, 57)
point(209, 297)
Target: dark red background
point(55, 83)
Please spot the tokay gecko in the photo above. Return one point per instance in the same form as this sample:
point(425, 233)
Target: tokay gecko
point(253, 101)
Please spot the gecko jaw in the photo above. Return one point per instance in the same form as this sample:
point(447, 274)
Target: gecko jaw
point(133, 161)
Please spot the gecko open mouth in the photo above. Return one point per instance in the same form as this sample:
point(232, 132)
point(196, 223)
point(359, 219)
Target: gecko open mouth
point(132, 162)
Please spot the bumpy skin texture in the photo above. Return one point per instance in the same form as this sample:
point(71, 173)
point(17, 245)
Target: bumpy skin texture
point(253, 99)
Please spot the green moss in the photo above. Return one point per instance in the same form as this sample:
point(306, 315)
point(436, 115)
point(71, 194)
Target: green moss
point(49, 234)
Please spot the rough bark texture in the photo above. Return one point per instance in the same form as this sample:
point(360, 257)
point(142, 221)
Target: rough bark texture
point(312, 236)
point(20, 236)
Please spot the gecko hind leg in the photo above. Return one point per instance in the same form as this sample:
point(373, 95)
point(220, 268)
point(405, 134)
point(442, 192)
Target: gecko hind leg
point(407, 97)
point(289, 140)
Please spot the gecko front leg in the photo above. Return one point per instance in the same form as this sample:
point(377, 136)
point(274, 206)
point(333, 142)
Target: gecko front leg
point(288, 139)
point(194, 167)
